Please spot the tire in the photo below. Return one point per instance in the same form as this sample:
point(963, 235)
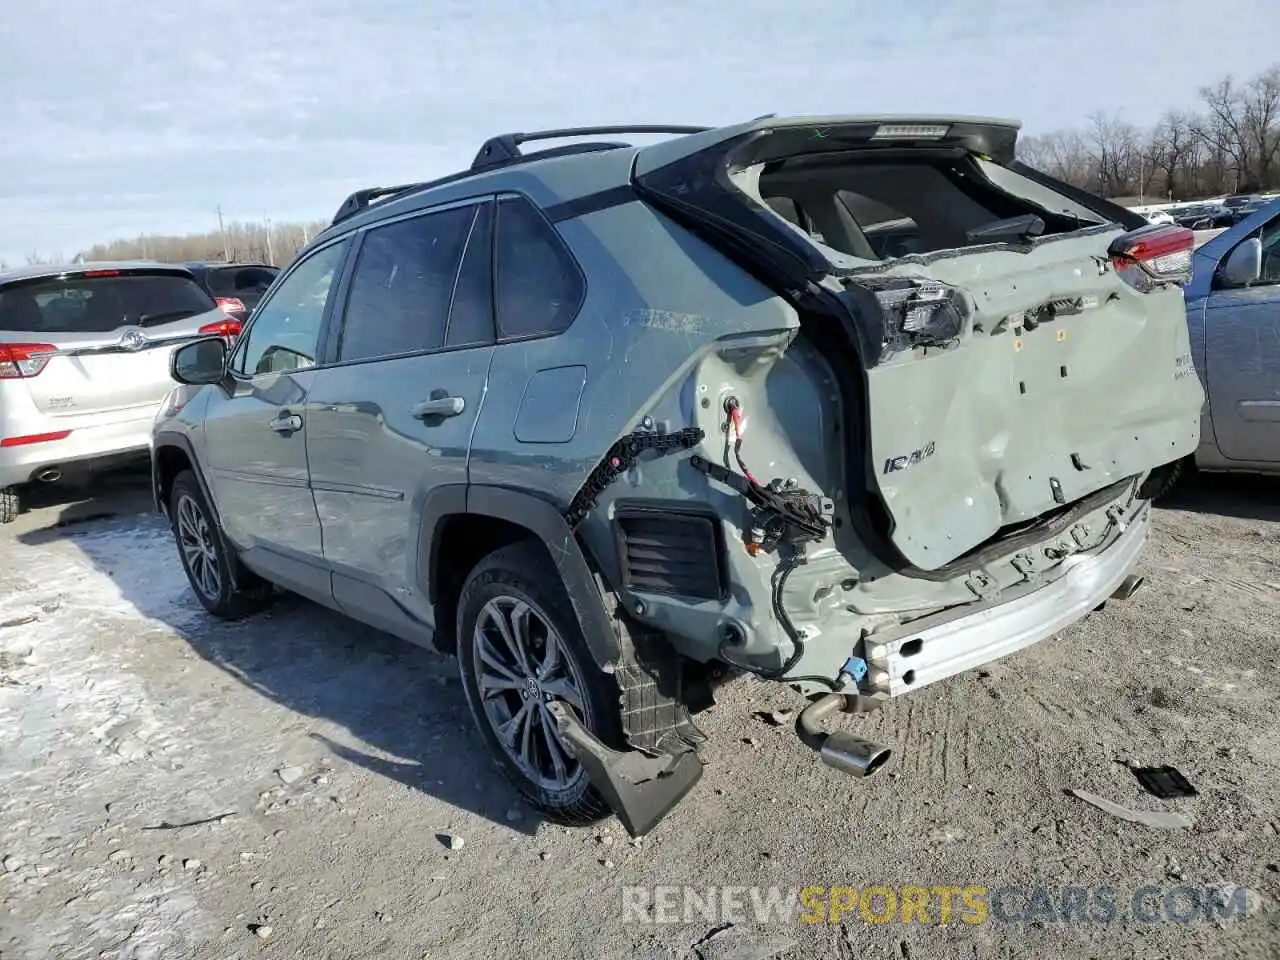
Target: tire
point(207, 557)
point(1162, 480)
point(9, 505)
point(517, 583)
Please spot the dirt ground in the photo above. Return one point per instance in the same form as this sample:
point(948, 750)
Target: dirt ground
point(174, 788)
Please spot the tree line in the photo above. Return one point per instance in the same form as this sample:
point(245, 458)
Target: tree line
point(266, 242)
point(1228, 143)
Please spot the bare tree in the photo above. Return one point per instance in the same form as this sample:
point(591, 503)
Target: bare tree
point(1173, 149)
point(1062, 154)
point(1114, 146)
point(1261, 125)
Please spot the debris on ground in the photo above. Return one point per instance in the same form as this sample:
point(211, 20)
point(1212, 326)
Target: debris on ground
point(775, 718)
point(1165, 782)
point(1148, 818)
point(451, 840)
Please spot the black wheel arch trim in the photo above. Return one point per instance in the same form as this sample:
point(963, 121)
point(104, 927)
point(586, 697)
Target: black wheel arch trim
point(544, 521)
point(179, 442)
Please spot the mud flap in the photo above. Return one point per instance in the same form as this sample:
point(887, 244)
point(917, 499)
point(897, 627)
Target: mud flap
point(640, 789)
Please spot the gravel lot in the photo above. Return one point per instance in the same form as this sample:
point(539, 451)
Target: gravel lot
point(323, 761)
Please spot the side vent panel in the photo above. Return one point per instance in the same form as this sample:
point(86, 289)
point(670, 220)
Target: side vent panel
point(670, 551)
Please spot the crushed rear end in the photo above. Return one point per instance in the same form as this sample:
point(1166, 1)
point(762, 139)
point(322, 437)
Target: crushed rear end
point(989, 363)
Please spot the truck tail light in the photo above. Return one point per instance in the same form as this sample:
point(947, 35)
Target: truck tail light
point(1154, 254)
point(22, 360)
point(230, 304)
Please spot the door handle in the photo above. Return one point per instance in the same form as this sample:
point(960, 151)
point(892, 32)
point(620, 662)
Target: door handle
point(286, 423)
point(439, 407)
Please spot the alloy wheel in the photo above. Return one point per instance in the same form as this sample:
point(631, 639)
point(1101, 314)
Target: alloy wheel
point(195, 539)
point(522, 665)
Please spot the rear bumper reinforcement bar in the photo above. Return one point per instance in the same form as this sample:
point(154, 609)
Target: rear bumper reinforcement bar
point(966, 639)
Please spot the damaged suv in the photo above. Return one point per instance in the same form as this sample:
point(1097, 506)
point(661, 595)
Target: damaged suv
point(849, 403)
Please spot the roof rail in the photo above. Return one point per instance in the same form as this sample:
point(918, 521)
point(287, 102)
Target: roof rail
point(362, 198)
point(505, 148)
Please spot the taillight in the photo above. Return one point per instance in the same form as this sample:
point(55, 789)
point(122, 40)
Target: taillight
point(22, 441)
point(20, 360)
point(230, 304)
point(1154, 254)
point(223, 328)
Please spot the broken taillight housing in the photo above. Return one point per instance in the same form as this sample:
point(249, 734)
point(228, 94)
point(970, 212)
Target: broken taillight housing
point(921, 314)
point(21, 360)
point(1153, 255)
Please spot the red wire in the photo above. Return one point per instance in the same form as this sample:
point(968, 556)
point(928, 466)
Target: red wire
point(735, 416)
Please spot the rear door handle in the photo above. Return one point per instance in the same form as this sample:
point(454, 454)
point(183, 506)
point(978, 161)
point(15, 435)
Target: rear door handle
point(439, 407)
point(286, 423)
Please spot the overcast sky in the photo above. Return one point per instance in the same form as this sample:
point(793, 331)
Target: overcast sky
point(124, 116)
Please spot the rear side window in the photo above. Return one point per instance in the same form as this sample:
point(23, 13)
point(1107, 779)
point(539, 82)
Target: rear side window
point(403, 284)
point(100, 304)
point(538, 287)
point(246, 284)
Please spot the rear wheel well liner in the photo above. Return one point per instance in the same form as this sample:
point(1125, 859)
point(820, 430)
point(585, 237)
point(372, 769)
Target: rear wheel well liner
point(461, 524)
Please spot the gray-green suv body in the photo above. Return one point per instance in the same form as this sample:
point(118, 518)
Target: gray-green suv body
point(853, 404)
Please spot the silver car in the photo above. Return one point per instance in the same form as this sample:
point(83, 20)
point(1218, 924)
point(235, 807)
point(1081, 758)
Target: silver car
point(1233, 311)
point(84, 364)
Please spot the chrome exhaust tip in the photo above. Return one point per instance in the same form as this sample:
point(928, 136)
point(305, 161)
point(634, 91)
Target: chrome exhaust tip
point(49, 475)
point(853, 755)
point(839, 750)
point(1128, 587)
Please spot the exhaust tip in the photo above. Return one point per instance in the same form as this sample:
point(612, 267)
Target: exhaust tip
point(49, 475)
point(1128, 587)
point(853, 755)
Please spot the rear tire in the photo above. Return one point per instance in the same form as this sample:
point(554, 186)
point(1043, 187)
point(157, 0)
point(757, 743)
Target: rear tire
point(9, 505)
point(512, 611)
point(1162, 480)
point(207, 557)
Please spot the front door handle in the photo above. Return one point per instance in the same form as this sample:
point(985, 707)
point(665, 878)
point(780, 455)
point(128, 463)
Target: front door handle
point(286, 423)
point(439, 407)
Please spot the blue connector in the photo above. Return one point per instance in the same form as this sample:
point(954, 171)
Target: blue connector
point(855, 667)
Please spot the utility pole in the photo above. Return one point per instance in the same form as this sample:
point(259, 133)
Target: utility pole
point(271, 255)
point(226, 252)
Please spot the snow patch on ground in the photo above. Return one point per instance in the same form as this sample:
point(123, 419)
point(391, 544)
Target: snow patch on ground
point(75, 719)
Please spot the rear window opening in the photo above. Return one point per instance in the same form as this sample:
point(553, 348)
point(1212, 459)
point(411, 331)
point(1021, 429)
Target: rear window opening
point(246, 284)
point(878, 208)
point(88, 304)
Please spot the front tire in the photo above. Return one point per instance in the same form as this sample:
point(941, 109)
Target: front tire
point(519, 647)
point(207, 557)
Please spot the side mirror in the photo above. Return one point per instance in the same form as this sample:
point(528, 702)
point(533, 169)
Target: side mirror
point(200, 362)
point(1243, 265)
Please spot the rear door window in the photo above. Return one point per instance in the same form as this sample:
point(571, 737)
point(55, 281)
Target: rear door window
point(101, 302)
point(403, 284)
point(538, 286)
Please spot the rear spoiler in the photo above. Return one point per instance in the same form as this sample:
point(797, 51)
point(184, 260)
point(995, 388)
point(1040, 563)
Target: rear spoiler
point(772, 138)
